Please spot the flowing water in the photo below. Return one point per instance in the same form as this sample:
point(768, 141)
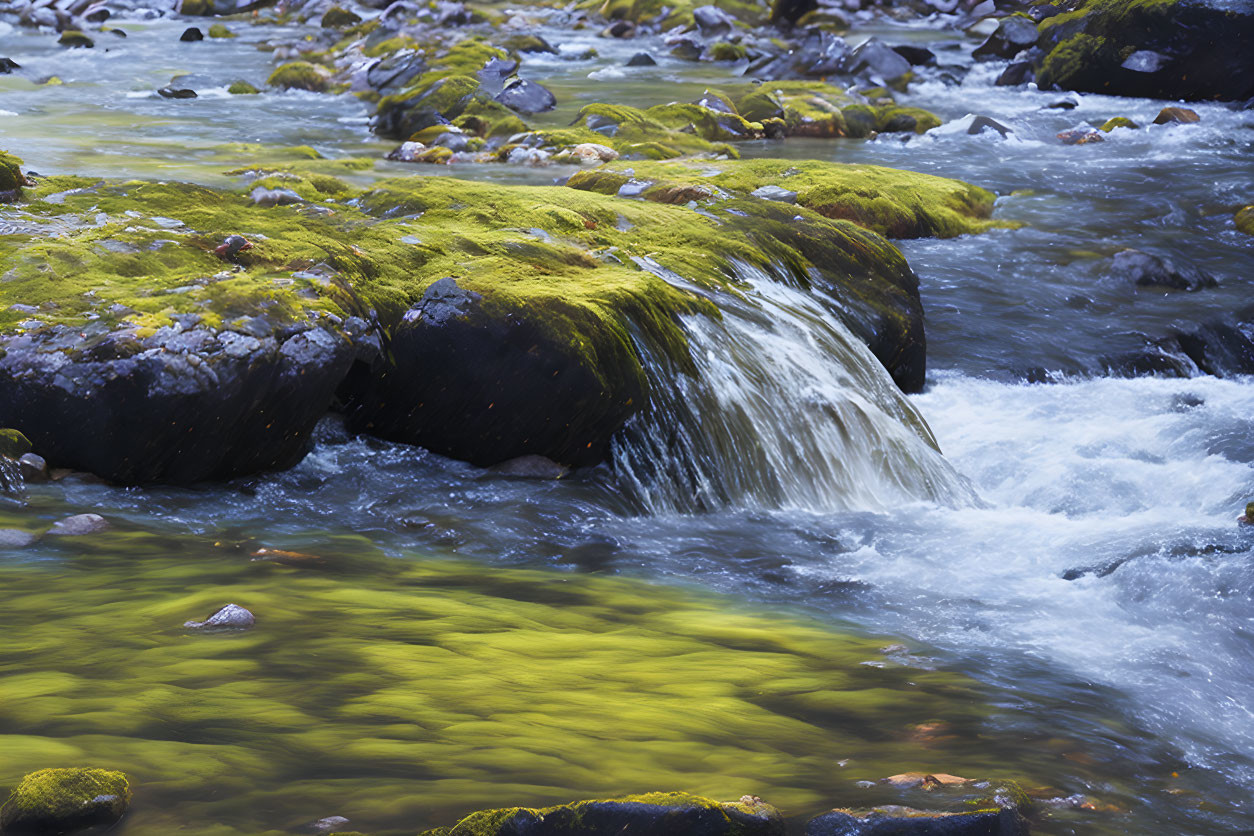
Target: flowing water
point(1064, 597)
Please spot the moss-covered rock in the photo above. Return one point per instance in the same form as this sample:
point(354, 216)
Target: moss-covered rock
point(653, 814)
point(11, 178)
point(895, 203)
point(64, 800)
point(1244, 220)
point(218, 30)
point(13, 445)
point(1169, 49)
point(1118, 122)
point(338, 17)
point(812, 108)
point(242, 88)
point(300, 75)
point(672, 14)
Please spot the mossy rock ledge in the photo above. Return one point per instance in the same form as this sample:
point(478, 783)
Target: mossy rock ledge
point(653, 814)
point(55, 801)
point(1167, 49)
point(483, 322)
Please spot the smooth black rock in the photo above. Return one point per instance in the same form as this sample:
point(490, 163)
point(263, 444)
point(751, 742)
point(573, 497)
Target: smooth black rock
point(1148, 270)
point(191, 34)
point(1020, 72)
point(712, 20)
point(525, 96)
point(918, 56)
point(877, 59)
point(394, 72)
point(176, 93)
point(641, 59)
point(1014, 34)
point(8, 65)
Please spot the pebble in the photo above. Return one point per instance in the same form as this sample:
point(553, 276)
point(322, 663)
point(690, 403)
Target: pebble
point(230, 617)
point(15, 538)
point(34, 468)
point(78, 525)
point(191, 34)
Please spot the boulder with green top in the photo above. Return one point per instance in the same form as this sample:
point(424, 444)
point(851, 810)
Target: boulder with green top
point(1167, 49)
point(12, 180)
point(653, 814)
point(58, 801)
point(13, 444)
point(300, 75)
point(1244, 219)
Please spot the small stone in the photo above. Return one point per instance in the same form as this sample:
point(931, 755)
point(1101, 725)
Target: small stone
point(74, 39)
point(79, 525)
point(191, 34)
point(641, 59)
point(1145, 61)
point(1176, 114)
point(8, 65)
point(328, 825)
point(176, 93)
point(982, 123)
point(232, 246)
point(620, 29)
point(526, 96)
point(242, 88)
point(775, 193)
point(1118, 122)
point(15, 538)
point(1146, 270)
point(1244, 220)
point(230, 617)
point(34, 468)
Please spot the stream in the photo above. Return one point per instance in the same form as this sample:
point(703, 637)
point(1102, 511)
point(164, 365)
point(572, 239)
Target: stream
point(1059, 596)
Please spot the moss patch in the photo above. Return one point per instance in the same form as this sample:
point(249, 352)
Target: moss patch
point(63, 800)
point(895, 203)
point(13, 444)
point(300, 75)
point(242, 88)
point(1244, 220)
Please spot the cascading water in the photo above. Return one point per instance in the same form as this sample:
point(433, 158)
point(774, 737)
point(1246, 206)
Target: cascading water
point(787, 409)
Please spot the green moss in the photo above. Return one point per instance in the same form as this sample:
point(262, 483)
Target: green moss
point(74, 39)
point(727, 51)
point(299, 75)
point(218, 30)
point(812, 108)
point(242, 88)
point(899, 204)
point(337, 17)
point(1079, 53)
point(1118, 122)
point(526, 43)
point(11, 177)
point(13, 444)
point(60, 800)
point(1244, 220)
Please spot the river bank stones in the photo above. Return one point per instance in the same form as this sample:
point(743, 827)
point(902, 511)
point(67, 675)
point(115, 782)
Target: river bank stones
point(57, 801)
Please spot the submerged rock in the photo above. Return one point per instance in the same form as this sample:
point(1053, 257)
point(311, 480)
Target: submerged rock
point(79, 525)
point(230, 617)
point(1148, 270)
point(64, 801)
point(12, 180)
point(904, 821)
point(15, 538)
point(655, 814)
point(1183, 115)
point(1165, 49)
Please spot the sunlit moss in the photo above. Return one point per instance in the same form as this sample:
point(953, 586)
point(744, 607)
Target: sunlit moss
point(1244, 220)
point(300, 75)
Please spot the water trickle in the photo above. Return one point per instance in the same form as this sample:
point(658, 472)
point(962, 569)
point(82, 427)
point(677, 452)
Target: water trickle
point(787, 410)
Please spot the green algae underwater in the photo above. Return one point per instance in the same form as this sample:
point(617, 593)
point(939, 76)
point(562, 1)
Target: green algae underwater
point(406, 692)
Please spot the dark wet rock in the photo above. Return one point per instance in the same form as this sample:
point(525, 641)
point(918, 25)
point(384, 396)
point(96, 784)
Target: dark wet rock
point(1182, 115)
point(877, 60)
point(620, 29)
point(641, 59)
point(1146, 270)
point(8, 65)
point(191, 34)
point(712, 20)
point(75, 40)
point(686, 49)
point(1175, 49)
point(531, 467)
point(232, 246)
point(655, 814)
point(980, 124)
point(15, 538)
point(33, 468)
point(338, 17)
point(903, 821)
point(230, 617)
point(1014, 34)
point(79, 525)
point(1063, 104)
point(818, 54)
point(1220, 348)
point(176, 93)
point(525, 96)
point(59, 801)
point(918, 56)
point(394, 72)
point(775, 193)
point(13, 444)
point(791, 11)
point(1020, 72)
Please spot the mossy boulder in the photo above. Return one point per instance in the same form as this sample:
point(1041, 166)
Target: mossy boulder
point(894, 203)
point(218, 30)
point(652, 814)
point(242, 88)
point(13, 445)
point(11, 178)
point(300, 75)
point(1244, 220)
point(673, 14)
point(1118, 122)
point(191, 333)
point(812, 108)
point(54, 801)
point(338, 17)
point(1168, 49)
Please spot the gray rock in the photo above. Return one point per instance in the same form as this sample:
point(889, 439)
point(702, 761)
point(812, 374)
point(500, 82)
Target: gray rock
point(531, 467)
point(712, 20)
point(176, 93)
point(274, 197)
point(79, 525)
point(230, 617)
point(15, 538)
point(526, 96)
point(1148, 270)
point(33, 467)
point(328, 825)
point(982, 123)
point(442, 301)
point(641, 59)
point(775, 193)
point(877, 59)
point(1145, 61)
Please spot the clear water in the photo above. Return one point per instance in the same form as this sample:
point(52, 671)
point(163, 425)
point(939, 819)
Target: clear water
point(1089, 614)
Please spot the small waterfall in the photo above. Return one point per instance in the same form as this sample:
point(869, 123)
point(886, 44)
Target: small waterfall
point(788, 410)
point(11, 482)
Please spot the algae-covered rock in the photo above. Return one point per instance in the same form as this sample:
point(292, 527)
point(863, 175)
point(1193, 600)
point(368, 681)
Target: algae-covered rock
point(677, 13)
point(1169, 49)
point(1244, 220)
point(11, 178)
point(1118, 122)
point(13, 445)
point(217, 30)
point(812, 108)
point(300, 75)
point(904, 821)
point(242, 88)
point(338, 17)
point(895, 203)
point(55, 801)
point(653, 814)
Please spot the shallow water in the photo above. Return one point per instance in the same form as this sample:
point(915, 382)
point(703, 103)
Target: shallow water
point(1087, 615)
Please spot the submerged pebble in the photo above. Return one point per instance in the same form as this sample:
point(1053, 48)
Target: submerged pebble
point(230, 617)
point(79, 525)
